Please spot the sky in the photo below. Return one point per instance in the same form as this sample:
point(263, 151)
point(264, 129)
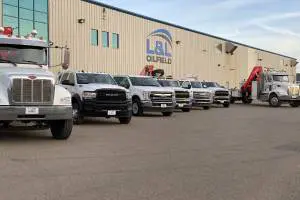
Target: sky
point(273, 25)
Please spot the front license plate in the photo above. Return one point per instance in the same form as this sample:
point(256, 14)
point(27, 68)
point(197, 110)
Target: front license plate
point(163, 105)
point(32, 111)
point(294, 97)
point(111, 112)
point(180, 105)
point(222, 101)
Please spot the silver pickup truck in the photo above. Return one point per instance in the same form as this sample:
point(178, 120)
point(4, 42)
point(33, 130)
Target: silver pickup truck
point(183, 96)
point(220, 95)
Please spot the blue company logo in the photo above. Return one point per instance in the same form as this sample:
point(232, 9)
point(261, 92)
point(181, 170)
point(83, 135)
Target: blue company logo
point(159, 50)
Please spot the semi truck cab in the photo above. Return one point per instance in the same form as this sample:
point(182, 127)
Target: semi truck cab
point(28, 93)
point(269, 86)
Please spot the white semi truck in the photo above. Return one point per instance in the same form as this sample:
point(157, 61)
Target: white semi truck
point(28, 93)
point(267, 86)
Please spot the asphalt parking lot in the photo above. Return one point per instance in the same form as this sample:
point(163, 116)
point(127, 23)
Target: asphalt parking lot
point(245, 152)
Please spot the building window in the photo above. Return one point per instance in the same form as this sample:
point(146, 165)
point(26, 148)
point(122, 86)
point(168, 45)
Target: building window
point(11, 2)
point(94, 37)
point(25, 15)
point(105, 39)
point(115, 41)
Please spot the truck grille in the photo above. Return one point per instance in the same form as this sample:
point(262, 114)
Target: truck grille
point(162, 97)
point(201, 95)
point(182, 95)
point(111, 95)
point(37, 91)
point(221, 93)
point(294, 91)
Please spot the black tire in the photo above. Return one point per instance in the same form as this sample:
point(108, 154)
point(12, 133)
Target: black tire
point(226, 105)
point(6, 124)
point(206, 107)
point(137, 109)
point(61, 129)
point(167, 114)
point(246, 100)
point(274, 101)
point(294, 104)
point(77, 117)
point(186, 109)
point(232, 100)
point(125, 120)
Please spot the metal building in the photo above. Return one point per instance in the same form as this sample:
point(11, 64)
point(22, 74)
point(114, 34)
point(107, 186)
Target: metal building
point(103, 38)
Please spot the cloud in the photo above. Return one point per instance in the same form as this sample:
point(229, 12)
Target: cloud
point(276, 17)
point(235, 4)
point(282, 31)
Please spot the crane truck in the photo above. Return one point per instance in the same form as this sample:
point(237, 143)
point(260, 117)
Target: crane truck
point(267, 86)
point(28, 93)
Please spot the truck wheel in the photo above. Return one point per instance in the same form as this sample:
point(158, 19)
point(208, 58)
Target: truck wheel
point(125, 120)
point(206, 107)
point(137, 109)
point(232, 100)
point(274, 101)
point(186, 109)
point(77, 117)
point(61, 129)
point(246, 100)
point(294, 104)
point(226, 105)
point(167, 114)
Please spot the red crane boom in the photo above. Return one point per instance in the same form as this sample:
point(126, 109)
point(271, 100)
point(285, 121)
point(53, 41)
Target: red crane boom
point(255, 74)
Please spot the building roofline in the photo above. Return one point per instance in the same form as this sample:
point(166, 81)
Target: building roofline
point(180, 27)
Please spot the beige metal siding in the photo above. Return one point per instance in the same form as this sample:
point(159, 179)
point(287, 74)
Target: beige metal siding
point(195, 55)
point(1, 14)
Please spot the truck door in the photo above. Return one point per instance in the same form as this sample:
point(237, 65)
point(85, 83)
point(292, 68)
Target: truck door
point(67, 83)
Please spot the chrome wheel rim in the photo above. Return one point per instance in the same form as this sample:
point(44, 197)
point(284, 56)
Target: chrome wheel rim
point(75, 113)
point(135, 108)
point(274, 101)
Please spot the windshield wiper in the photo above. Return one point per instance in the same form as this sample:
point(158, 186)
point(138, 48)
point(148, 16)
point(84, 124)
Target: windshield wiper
point(8, 61)
point(32, 62)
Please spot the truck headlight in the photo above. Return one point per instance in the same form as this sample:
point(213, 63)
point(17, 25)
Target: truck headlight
point(146, 95)
point(65, 101)
point(89, 95)
point(128, 95)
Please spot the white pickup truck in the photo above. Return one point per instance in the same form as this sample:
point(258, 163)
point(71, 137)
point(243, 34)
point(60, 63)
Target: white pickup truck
point(202, 97)
point(148, 95)
point(183, 96)
point(28, 93)
point(221, 95)
point(96, 95)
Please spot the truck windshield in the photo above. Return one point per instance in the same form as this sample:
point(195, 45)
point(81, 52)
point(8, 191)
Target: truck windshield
point(210, 84)
point(168, 83)
point(281, 78)
point(21, 54)
point(144, 81)
point(87, 78)
point(196, 84)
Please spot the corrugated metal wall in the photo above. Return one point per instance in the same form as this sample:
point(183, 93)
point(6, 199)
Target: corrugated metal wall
point(1, 12)
point(195, 55)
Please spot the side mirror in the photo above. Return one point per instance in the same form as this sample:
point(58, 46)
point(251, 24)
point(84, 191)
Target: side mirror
point(67, 82)
point(127, 86)
point(189, 86)
point(66, 63)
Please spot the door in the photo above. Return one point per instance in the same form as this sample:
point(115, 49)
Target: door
point(68, 82)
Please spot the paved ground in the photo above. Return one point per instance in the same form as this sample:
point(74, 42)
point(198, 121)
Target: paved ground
point(242, 153)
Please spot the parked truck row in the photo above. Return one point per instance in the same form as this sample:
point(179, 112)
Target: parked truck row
point(31, 94)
